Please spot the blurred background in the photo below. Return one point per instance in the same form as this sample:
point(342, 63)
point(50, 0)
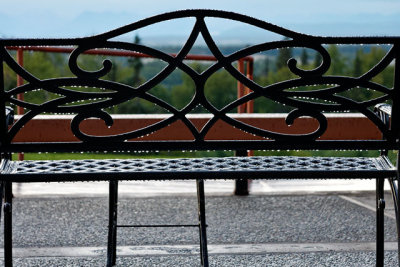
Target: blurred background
point(45, 18)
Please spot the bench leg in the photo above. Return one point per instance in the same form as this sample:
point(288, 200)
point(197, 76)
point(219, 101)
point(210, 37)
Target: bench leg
point(112, 224)
point(380, 222)
point(395, 193)
point(241, 185)
point(8, 224)
point(202, 222)
point(1, 196)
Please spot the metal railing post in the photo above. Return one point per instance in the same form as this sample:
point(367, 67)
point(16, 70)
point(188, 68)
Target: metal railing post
point(242, 185)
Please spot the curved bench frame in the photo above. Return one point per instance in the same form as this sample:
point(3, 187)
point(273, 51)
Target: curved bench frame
point(302, 102)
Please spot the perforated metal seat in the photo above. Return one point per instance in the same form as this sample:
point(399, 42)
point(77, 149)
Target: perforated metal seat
point(205, 168)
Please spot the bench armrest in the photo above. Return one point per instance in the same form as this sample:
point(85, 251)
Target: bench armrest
point(384, 108)
point(9, 116)
point(384, 111)
point(9, 121)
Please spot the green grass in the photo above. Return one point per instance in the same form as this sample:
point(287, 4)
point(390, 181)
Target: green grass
point(60, 156)
point(78, 156)
point(175, 154)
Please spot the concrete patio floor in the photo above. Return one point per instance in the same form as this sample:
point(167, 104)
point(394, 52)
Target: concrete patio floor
point(293, 223)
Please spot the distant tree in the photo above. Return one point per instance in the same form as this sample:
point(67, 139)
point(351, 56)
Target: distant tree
point(161, 92)
point(112, 75)
point(197, 67)
point(265, 105)
point(137, 65)
point(42, 66)
point(266, 67)
point(317, 60)
point(221, 89)
point(374, 56)
point(182, 94)
point(304, 57)
point(357, 64)
point(284, 55)
point(338, 63)
point(10, 78)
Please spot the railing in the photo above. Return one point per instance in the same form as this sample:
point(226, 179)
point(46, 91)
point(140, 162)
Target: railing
point(357, 127)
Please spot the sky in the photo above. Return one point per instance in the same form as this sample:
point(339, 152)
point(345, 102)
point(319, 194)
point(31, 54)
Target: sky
point(78, 18)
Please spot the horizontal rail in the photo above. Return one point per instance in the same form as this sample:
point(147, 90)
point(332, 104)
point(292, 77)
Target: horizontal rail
point(156, 225)
point(56, 128)
point(110, 52)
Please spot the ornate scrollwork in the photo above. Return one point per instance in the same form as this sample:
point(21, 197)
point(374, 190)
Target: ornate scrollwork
point(318, 71)
point(113, 93)
point(75, 69)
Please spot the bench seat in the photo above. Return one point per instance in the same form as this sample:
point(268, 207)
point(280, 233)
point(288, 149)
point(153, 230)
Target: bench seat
point(259, 167)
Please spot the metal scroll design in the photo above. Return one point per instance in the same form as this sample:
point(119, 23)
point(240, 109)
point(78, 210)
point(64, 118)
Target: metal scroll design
point(116, 93)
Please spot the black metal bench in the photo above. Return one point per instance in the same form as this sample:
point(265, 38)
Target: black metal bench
point(302, 103)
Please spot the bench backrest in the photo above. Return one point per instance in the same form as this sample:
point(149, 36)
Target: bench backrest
point(308, 101)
